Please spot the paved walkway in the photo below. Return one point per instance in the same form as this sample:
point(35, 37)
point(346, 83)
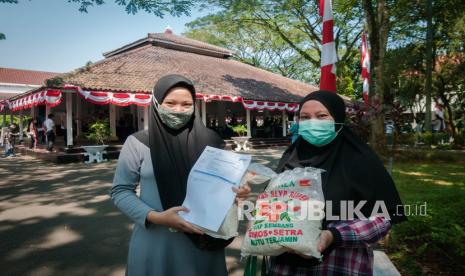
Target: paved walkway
point(59, 220)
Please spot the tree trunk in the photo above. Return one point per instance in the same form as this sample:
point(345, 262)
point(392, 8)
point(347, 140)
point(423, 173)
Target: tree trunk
point(378, 31)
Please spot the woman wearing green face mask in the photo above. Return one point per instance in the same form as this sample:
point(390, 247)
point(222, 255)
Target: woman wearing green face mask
point(353, 173)
point(159, 160)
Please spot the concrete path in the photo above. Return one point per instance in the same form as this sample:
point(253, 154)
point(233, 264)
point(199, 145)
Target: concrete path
point(58, 219)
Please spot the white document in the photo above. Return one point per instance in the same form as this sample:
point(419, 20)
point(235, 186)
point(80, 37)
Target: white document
point(209, 193)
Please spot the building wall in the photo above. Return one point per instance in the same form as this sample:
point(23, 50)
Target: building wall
point(8, 90)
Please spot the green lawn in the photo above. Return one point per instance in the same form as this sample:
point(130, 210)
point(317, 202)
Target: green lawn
point(432, 244)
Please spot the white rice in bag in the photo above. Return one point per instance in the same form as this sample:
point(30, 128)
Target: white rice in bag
point(287, 215)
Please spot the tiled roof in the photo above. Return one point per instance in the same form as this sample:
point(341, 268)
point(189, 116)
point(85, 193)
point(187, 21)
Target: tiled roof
point(138, 68)
point(175, 42)
point(29, 77)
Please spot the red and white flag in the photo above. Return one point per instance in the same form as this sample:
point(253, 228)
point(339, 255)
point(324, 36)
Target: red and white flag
point(328, 49)
point(365, 67)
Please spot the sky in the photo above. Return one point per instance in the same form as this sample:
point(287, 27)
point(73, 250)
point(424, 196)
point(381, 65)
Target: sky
point(53, 36)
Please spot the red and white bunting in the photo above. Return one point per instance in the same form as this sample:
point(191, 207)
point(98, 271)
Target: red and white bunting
point(3, 105)
point(208, 98)
point(119, 99)
point(261, 105)
point(328, 48)
point(53, 97)
point(365, 67)
point(49, 97)
point(123, 99)
point(115, 98)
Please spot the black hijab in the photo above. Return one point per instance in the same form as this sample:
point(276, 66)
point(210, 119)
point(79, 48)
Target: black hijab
point(174, 152)
point(353, 170)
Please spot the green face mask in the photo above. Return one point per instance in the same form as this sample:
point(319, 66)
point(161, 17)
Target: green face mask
point(172, 119)
point(318, 132)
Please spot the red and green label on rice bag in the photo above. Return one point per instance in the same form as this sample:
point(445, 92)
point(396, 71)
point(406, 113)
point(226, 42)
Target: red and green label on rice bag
point(283, 215)
point(275, 232)
point(283, 193)
point(271, 236)
point(271, 208)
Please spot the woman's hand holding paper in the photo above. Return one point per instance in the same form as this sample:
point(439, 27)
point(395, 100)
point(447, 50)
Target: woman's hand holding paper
point(171, 219)
point(242, 191)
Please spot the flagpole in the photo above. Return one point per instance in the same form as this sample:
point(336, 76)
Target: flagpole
point(365, 62)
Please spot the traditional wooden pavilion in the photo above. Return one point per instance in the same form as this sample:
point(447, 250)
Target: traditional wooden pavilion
point(119, 87)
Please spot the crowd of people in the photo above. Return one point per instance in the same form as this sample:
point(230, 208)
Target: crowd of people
point(44, 133)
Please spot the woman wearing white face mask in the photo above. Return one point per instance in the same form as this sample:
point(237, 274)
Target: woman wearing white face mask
point(160, 159)
point(354, 173)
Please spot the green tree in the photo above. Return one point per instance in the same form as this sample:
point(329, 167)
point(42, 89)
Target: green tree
point(405, 59)
point(448, 56)
point(405, 77)
point(378, 25)
point(254, 45)
point(157, 7)
point(291, 29)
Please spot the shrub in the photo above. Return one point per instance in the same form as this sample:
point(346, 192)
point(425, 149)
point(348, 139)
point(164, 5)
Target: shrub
point(405, 139)
point(240, 130)
point(99, 132)
point(459, 139)
point(427, 138)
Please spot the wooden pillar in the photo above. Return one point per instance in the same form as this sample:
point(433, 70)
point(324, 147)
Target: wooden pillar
point(112, 111)
point(198, 106)
point(78, 116)
point(146, 117)
point(47, 111)
point(69, 119)
point(134, 116)
point(21, 125)
point(140, 118)
point(117, 113)
point(249, 123)
point(284, 123)
point(221, 112)
point(204, 113)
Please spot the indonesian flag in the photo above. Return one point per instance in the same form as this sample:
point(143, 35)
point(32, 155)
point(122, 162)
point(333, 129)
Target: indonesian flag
point(365, 67)
point(328, 51)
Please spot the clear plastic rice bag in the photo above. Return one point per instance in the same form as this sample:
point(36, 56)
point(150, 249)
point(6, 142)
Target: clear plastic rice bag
point(256, 174)
point(287, 215)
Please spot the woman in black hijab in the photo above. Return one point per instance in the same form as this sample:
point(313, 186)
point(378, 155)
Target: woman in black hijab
point(354, 175)
point(159, 159)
